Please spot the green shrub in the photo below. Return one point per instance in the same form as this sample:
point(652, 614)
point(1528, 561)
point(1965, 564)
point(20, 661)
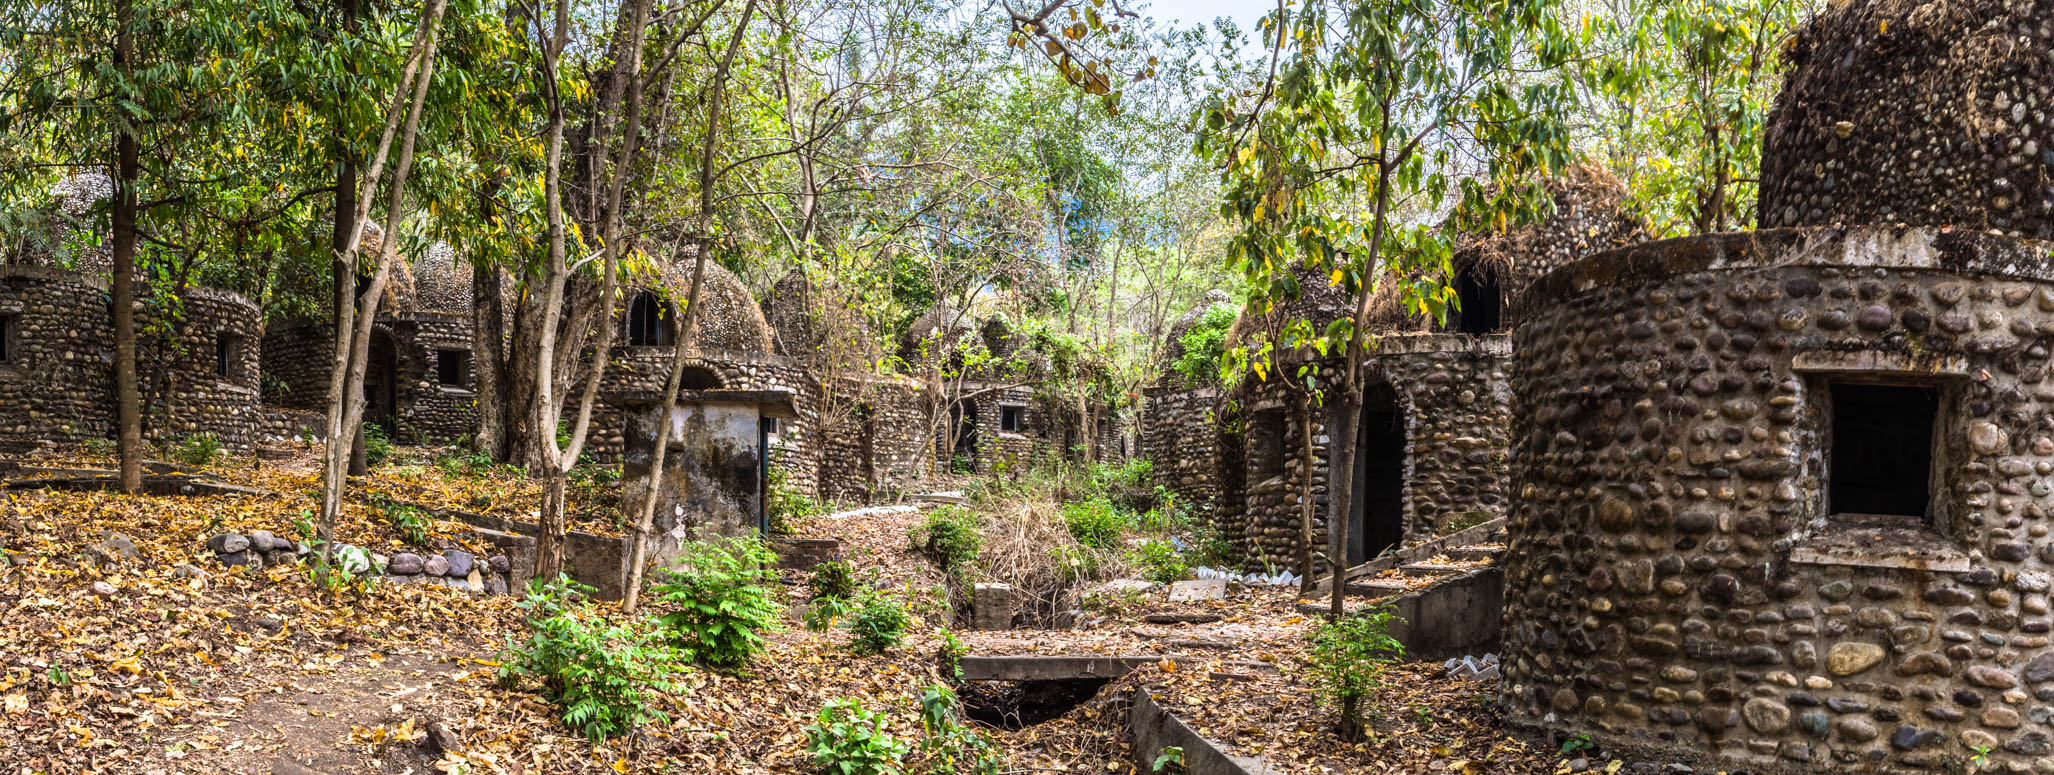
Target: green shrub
point(849, 739)
point(950, 535)
point(463, 461)
point(721, 600)
point(1348, 662)
point(948, 739)
point(377, 446)
point(1204, 344)
point(604, 675)
point(196, 449)
point(833, 579)
point(1094, 523)
point(879, 625)
point(1159, 561)
point(408, 519)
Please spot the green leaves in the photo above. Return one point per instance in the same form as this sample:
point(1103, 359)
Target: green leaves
point(720, 600)
point(604, 675)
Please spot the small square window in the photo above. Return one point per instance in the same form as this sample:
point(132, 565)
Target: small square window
point(1882, 451)
point(771, 426)
point(227, 356)
point(1009, 418)
point(452, 367)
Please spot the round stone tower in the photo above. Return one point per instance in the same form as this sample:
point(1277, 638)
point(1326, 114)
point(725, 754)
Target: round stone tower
point(1782, 498)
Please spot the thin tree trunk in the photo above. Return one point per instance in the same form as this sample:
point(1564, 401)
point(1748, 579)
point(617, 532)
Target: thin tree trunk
point(353, 341)
point(128, 399)
point(638, 553)
point(1341, 458)
point(344, 273)
point(1306, 571)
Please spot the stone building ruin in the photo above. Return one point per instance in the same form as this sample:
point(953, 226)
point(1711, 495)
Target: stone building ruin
point(1437, 412)
point(196, 362)
point(1782, 496)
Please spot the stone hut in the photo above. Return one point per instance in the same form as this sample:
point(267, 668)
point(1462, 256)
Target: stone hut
point(998, 417)
point(197, 376)
point(1432, 451)
point(867, 450)
point(1783, 496)
point(419, 379)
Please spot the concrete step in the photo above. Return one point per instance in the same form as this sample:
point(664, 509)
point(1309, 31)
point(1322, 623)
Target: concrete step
point(1371, 590)
point(1476, 552)
point(1431, 569)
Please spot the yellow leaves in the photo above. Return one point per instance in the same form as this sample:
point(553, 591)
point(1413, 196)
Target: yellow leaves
point(405, 731)
point(1168, 665)
point(621, 765)
point(15, 704)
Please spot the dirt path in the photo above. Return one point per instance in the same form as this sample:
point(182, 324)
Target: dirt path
point(325, 720)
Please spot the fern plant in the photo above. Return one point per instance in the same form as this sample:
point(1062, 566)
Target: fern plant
point(721, 600)
point(879, 625)
point(605, 676)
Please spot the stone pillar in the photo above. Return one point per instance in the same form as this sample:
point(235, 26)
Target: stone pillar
point(992, 607)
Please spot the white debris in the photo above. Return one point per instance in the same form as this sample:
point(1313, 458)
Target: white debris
point(873, 511)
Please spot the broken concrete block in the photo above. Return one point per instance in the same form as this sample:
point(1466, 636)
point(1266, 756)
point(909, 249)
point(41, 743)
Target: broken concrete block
point(1198, 591)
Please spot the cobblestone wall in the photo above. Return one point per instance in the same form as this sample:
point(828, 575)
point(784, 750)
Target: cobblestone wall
point(1675, 584)
point(1179, 435)
point(1453, 401)
point(1928, 114)
point(56, 385)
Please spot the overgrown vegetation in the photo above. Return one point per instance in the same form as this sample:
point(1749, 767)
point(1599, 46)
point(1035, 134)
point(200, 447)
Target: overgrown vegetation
point(1203, 344)
point(1161, 561)
point(603, 676)
point(196, 449)
point(377, 445)
point(720, 600)
point(789, 507)
point(950, 535)
point(411, 522)
point(878, 624)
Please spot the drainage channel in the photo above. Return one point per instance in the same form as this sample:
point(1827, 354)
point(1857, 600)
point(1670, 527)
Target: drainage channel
point(1017, 691)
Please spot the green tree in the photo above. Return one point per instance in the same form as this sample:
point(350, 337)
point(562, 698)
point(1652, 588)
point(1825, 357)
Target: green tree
point(1380, 116)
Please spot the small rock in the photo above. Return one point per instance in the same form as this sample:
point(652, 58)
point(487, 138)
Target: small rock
point(228, 543)
point(1848, 657)
point(188, 571)
point(436, 565)
point(264, 541)
point(460, 562)
point(103, 589)
point(442, 740)
point(406, 564)
point(243, 559)
point(496, 584)
point(499, 563)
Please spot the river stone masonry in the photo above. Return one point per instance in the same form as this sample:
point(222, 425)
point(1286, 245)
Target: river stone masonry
point(1675, 585)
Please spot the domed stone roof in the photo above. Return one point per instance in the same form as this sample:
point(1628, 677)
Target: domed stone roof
point(728, 316)
point(1921, 113)
point(812, 319)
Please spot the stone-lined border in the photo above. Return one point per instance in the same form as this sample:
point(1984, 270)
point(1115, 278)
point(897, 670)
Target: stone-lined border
point(1152, 728)
point(1469, 536)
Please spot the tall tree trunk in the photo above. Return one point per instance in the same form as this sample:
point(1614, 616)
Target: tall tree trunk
point(488, 361)
point(638, 552)
point(344, 274)
point(128, 415)
point(1341, 458)
point(353, 340)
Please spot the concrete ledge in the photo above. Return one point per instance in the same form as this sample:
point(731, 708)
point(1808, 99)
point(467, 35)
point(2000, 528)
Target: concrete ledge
point(1478, 533)
point(1152, 728)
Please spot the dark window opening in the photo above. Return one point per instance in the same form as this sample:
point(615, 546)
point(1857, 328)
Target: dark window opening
point(963, 452)
point(647, 326)
point(770, 426)
point(1480, 301)
point(7, 349)
point(1882, 461)
point(452, 367)
point(227, 355)
point(1009, 418)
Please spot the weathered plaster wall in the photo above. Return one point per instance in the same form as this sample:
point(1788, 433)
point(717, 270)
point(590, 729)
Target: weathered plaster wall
point(1673, 584)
